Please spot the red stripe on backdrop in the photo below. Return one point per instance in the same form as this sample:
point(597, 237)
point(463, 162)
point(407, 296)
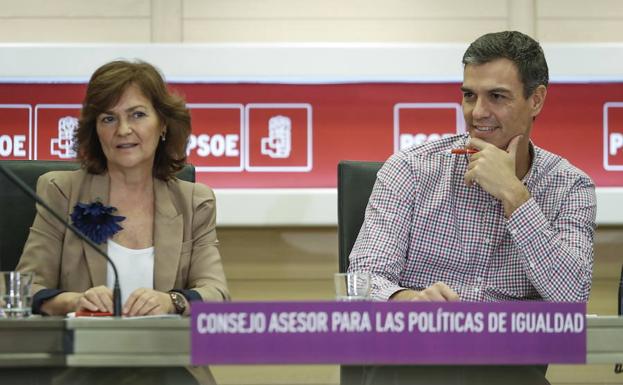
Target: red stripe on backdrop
point(293, 135)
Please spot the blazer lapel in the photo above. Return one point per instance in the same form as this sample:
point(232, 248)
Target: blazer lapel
point(98, 266)
point(168, 235)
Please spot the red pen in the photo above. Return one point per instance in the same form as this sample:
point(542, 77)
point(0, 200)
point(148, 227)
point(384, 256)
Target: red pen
point(86, 313)
point(463, 151)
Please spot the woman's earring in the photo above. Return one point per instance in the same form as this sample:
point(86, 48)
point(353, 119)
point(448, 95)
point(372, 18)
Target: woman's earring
point(163, 136)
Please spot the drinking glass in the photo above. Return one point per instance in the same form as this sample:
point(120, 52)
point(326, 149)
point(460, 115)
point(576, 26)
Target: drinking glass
point(352, 286)
point(15, 294)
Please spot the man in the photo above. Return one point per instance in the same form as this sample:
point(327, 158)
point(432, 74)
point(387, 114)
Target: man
point(510, 221)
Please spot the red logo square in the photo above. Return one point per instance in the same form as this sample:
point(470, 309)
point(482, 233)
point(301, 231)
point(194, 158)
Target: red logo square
point(418, 123)
point(279, 137)
point(613, 136)
point(217, 138)
point(55, 125)
point(15, 132)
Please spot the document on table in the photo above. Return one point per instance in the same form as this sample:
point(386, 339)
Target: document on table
point(73, 315)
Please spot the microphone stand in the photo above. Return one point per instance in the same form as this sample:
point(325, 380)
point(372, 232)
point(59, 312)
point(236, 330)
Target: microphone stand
point(618, 368)
point(116, 292)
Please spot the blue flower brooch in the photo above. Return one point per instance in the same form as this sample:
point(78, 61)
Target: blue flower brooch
point(96, 221)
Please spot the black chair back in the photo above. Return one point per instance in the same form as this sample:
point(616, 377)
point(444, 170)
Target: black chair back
point(355, 181)
point(17, 210)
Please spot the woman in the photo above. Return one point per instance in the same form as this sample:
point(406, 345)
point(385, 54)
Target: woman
point(160, 231)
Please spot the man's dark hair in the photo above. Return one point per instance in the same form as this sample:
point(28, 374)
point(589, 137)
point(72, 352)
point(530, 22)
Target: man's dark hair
point(517, 47)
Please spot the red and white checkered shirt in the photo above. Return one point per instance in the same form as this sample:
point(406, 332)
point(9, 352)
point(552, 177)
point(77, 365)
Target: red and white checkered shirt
point(423, 225)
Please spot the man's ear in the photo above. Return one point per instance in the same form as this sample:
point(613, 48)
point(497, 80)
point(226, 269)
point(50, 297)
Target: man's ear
point(537, 99)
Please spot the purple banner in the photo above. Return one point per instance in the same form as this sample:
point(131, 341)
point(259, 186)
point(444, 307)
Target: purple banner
point(388, 333)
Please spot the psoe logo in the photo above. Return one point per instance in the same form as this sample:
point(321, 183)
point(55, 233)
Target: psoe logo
point(279, 137)
point(419, 123)
point(63, 145)
point(278, 143)
point(55, 125)
point(613, 136)
point(215, 144)
point(15, 131)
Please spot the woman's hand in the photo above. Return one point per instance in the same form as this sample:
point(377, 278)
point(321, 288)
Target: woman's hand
point(97, 298)
point(145, 301)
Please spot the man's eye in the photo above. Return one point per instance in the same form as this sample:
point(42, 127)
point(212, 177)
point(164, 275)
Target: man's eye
point(467, 95)
point(497, 96)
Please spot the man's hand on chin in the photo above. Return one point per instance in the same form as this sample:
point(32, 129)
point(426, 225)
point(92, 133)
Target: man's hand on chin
point(494, 170)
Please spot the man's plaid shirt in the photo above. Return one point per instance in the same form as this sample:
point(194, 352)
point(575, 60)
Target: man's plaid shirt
point(424, 225)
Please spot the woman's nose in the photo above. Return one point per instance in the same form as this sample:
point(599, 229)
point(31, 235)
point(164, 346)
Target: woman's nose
point(124, 128)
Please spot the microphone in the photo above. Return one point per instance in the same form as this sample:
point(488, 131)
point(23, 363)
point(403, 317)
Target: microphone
point(116, 292)
point(620, 304)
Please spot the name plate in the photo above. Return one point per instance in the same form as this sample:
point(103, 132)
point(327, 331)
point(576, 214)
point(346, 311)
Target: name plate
point(388, 333)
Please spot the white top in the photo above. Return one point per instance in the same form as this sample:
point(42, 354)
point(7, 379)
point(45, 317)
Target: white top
point(135, 267)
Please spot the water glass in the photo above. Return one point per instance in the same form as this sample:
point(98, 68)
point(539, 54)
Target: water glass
point(352, 286)
point(15, 294)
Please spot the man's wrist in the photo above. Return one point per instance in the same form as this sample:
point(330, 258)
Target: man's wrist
point(515, 196)
point(403, 295)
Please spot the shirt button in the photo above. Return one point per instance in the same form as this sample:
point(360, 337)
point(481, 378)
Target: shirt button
point(487, 241)
point(531, 265)
point(479, 279)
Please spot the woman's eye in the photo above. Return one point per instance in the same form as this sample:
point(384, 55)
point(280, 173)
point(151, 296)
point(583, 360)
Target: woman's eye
point(108, 119)
point(138, 114)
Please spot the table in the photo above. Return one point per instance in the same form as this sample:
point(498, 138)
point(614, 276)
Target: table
point(604, 340)
point(42, 346)
point(129, 342)
point(35, 342)
point(49, 350)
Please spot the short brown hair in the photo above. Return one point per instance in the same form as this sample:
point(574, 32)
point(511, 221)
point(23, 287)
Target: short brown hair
point(104, 90)
point(525, 52)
